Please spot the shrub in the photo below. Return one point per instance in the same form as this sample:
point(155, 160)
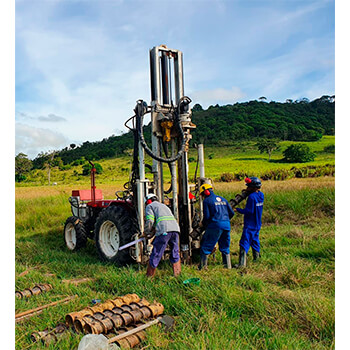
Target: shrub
point(240, 176)
point(79, 161)
point(227, 177)
point(19, 177)
point(64, 167)
point(87, 167)
point(307, 171)
point(329, 149)
point(298, 153)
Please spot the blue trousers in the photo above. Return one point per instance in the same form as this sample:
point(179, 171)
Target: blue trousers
point(213, 236)
point(159, 245)
point(250, 238)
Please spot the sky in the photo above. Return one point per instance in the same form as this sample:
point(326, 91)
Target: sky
point(80, 66)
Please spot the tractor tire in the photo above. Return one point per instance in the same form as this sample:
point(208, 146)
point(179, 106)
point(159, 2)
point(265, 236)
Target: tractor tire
point(114, 227)
point(74, 233)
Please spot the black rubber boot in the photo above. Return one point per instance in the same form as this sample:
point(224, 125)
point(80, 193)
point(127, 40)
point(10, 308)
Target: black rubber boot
point(226, 260)
point(256, 255)
point(242, 258)
point(204, 262)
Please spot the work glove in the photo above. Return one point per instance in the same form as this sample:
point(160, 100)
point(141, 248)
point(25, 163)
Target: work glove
point(150, 233)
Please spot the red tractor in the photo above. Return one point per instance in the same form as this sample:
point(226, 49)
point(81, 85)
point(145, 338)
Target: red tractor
point(110, 222)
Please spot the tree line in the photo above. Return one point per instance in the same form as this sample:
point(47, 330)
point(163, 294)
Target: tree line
point(299, 120)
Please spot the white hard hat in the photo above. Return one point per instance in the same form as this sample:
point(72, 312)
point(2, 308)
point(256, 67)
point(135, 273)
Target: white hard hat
point(151, 196)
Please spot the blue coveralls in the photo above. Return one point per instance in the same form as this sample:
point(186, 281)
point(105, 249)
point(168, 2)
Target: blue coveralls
point(252, 221)
point(217, 213)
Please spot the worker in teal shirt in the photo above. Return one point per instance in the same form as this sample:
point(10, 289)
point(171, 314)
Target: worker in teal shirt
point(252, 221)
point(217, 213)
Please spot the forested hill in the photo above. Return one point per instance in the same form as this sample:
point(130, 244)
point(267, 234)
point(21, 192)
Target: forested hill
point(299, 120)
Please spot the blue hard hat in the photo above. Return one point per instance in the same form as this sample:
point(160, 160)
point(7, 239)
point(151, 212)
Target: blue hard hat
point(253, 182)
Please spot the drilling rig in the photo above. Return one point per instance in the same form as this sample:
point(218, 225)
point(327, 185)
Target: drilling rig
point(117, 224)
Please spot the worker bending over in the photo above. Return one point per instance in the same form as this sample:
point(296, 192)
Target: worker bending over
point(217, 213)
point(160, 219)
point(252, 221)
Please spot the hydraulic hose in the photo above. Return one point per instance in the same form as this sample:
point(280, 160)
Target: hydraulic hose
point(140, 114)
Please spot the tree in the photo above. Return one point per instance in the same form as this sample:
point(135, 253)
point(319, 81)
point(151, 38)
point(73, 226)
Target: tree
point(50, 162)
point(298, 153)
point(87, 168)
point(303, 100)
point(262, 98)
point(197, 107)
point(22, 166)
point(267, 146)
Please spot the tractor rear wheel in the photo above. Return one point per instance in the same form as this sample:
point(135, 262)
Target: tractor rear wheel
point(74, 233)
point(114, 227)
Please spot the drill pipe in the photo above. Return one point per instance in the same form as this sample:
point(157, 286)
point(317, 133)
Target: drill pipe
point(98, 325)
point(239, 198)
point(107, 322)
point(119, 301)
point(130, 341)
point(29, 313)
point(47, 336)
point(80, 322)
point(37, 289)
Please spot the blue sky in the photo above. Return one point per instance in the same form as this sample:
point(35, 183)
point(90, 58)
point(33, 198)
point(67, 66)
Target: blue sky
point(82, 65)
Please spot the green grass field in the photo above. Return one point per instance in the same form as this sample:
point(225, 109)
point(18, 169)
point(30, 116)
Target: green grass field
point(242, 157)
point(284, 301)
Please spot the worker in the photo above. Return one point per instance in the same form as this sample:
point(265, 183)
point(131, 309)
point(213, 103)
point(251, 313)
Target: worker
point(161, 222)
point(252, 221)
point(217, 213)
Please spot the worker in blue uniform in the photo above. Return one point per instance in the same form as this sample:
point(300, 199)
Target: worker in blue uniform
point(217, 213)
point(252, 221)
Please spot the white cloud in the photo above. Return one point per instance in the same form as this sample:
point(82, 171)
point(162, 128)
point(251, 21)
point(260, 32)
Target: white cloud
point(31, 140)
point(51, 118)
point(221, 96)
point(23, 116)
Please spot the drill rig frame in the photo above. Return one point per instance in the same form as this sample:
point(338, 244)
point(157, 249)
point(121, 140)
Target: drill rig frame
point(171, 128)
point(116, 223)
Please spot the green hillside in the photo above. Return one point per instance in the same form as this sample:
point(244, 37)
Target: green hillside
point(241, 159)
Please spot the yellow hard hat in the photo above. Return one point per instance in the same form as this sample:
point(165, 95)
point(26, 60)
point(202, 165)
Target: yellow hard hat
point(204, 187)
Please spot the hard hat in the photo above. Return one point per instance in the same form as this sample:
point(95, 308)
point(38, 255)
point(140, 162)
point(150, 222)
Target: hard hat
point(253, 182)
point(204, 187)
point(150, 197)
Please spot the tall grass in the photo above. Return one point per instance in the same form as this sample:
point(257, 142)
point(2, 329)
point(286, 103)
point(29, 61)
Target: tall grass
point(284, 301)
